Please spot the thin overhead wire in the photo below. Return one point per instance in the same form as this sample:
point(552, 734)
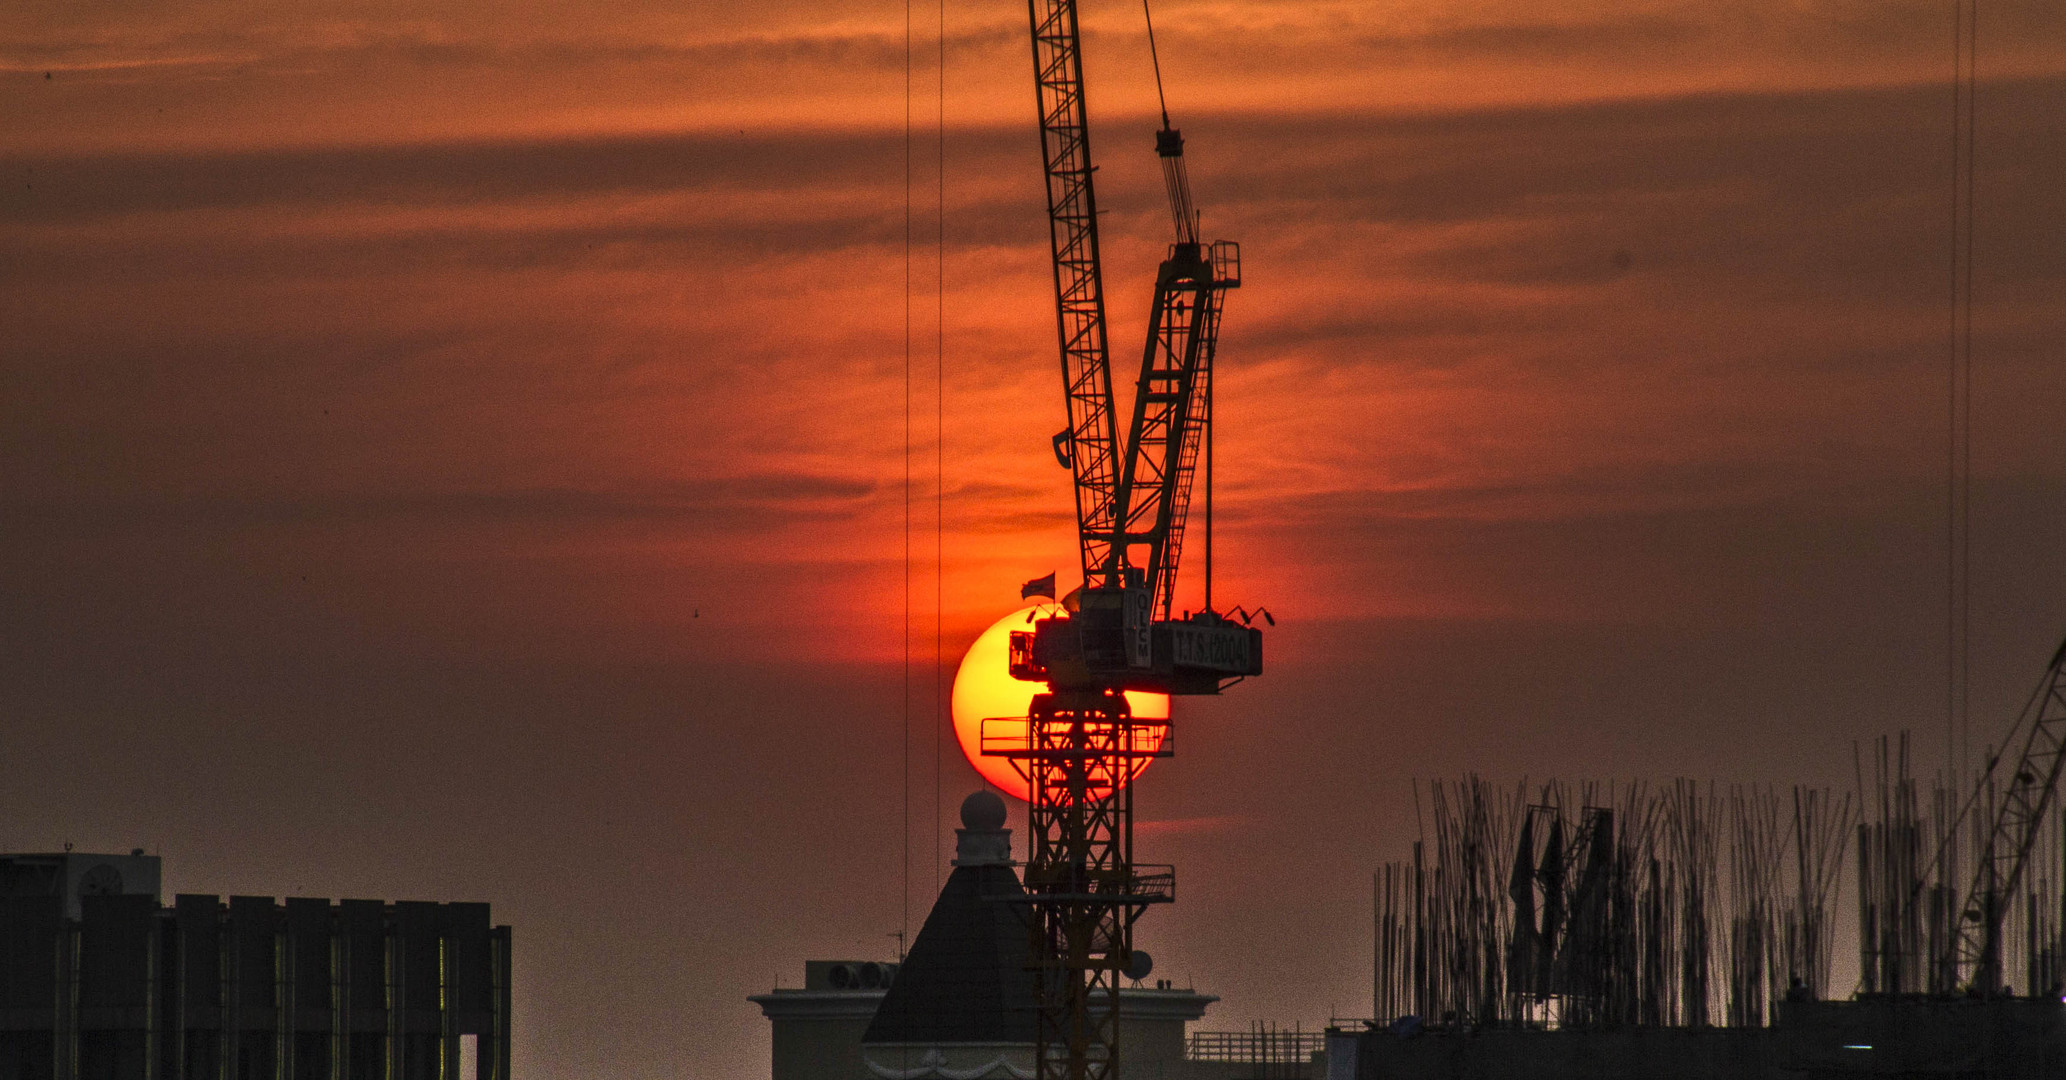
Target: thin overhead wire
point(1959, 399)
point(1951, 755)
point(904, 925)
point(1965, 509)
point(939, 434)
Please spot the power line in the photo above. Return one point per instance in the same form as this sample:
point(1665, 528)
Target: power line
point(1958, 464)
point(904, 923)
point(939, 433)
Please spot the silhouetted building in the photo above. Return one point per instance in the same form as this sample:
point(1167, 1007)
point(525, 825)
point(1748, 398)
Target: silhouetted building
point(72, 876)
point(960, 1006)
point(1869, 1038)
point(100, 982)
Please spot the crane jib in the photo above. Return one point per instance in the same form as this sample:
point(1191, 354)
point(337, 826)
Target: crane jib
point(1132, 491)
point(1089, 445)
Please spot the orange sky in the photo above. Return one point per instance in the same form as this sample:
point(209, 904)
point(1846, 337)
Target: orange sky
point(545, 361)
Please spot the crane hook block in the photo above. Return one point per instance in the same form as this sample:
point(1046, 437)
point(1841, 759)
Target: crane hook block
point(1065, 449)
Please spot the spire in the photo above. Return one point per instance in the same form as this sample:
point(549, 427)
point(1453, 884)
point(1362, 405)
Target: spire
point(966, 978)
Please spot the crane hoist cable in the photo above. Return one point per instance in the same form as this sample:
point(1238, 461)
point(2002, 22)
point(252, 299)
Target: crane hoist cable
point(1169, 146)
point(1155, 58)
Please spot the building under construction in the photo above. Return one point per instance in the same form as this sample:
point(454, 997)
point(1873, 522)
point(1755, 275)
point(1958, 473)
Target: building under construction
point(1604, 931)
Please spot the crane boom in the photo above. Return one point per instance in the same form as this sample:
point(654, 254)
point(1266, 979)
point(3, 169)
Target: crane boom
point(1089, 446)
point(1144, 502)
point(1131, 494)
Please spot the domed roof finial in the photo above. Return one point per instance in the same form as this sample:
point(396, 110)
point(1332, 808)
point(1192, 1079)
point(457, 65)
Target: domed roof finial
point(982, 840)
point(983, 810)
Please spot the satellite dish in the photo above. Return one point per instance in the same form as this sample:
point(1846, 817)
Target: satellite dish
point(1139, 965)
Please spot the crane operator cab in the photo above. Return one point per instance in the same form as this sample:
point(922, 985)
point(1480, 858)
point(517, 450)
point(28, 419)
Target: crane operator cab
point(1110, 642)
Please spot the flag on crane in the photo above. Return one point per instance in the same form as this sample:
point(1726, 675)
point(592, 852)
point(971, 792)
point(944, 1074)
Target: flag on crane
point(1040, 586)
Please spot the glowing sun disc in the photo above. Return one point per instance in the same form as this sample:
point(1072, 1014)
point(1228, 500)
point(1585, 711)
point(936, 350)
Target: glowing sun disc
point(984, 689)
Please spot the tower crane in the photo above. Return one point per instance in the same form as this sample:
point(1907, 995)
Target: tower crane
point(2031, 785)
point(1080, 744)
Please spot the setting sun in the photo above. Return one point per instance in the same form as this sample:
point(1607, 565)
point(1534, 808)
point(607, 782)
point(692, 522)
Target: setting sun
point(984, 689)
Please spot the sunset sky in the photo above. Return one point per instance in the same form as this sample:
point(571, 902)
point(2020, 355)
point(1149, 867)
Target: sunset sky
point(459, 451)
